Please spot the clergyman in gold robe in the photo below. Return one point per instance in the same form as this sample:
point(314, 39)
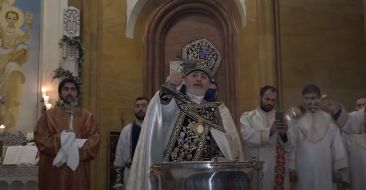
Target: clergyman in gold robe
point(68, 139)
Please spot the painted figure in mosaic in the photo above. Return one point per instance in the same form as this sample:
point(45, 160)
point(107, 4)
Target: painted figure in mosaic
point(13, 54)
point(6, 3)
point(180, 125)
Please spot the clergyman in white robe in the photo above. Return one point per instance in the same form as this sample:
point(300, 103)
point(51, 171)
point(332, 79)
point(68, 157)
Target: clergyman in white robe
point(319, 151)
point(155, 134)
point(255, 131)
point(123, 158)
point(354, 133)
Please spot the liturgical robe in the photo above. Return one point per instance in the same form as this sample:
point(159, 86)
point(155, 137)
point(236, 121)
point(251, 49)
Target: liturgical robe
point(319, 151)
point(125, 150)
point(255, 130)
point(354, 132)
point(47, 137)
point(156, 131)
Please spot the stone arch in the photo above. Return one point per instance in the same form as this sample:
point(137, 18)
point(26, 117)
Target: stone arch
point(134, 8)
point(159, 31)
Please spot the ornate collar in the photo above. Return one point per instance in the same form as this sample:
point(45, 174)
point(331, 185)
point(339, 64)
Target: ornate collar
point(69, 108)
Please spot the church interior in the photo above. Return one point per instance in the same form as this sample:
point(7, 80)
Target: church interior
point(127, 46)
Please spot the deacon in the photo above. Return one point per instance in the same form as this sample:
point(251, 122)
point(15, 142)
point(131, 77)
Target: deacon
point(127, 142)
point(320, 152)
point(268, 139)
point(68, 139)
point(353, 126)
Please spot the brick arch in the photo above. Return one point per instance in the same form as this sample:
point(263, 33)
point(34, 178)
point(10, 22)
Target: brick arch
point(175, 23)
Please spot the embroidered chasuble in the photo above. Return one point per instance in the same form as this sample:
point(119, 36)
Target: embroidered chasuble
point(181, 130)
point(191, 139)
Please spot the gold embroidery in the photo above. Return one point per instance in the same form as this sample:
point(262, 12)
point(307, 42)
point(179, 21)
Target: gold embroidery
point(197, 127)
point(184, 143)
point(315, 128)
point(173, 137)
point(204, 112)
point(192, 129)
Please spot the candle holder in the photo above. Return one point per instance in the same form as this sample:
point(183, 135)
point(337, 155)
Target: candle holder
point(299, 110)
point(45, 99)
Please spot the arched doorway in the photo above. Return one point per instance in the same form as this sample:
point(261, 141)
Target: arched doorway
point(176, 23)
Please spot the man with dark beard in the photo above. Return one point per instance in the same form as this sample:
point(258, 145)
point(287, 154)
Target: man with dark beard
point(127, 143)
point(67, 139)
point(267, 139)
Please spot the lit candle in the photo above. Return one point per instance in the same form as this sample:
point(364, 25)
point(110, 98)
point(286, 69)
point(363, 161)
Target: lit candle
point(48, 106)
point(2, 128)
point(44, 91)
point(46, 98)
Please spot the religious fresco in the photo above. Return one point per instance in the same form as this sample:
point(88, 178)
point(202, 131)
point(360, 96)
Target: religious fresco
point(19, 62)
